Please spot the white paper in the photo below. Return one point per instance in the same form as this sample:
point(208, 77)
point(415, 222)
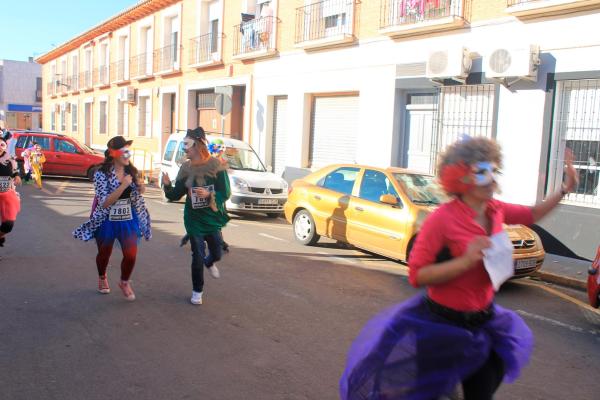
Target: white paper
point(498, 259)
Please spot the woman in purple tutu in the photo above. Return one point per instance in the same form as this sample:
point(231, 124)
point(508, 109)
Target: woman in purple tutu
point(455, 334)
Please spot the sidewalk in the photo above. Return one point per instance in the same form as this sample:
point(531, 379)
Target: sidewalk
point(564, 271)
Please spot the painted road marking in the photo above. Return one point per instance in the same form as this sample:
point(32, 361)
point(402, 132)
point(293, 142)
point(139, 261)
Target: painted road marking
point(272, 237)
point(555, 322)
point(562, 295)
point(263, 224)
point(233, 225)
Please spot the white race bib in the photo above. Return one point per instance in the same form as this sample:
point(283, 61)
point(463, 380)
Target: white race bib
point(121, 210)
point(498, 259)
point(197, 201)
point(5, 183)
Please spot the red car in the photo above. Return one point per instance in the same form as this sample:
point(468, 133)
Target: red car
point(65, 156)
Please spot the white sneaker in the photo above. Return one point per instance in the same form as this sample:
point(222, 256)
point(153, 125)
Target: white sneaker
point(214, 271)
point(196, 298)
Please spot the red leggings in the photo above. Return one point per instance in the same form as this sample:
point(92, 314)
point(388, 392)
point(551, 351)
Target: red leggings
point(129, 248)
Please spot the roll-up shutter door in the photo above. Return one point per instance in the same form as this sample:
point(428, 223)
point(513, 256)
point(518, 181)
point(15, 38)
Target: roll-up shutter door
point(334, 130)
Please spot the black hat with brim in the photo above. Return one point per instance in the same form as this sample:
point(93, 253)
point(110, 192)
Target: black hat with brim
point(118, 142)
point(196, 134)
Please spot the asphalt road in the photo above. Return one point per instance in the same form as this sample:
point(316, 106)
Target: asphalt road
point(277, 324)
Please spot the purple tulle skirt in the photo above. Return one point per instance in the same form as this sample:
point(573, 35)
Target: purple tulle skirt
point(409, 353)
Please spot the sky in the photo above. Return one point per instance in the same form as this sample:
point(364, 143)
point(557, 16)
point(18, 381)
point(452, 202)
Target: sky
point(29, 28)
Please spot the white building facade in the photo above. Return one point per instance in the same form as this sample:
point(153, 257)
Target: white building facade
point(390, 101)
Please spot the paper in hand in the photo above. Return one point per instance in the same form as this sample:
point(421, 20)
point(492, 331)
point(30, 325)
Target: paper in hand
point(498, 259)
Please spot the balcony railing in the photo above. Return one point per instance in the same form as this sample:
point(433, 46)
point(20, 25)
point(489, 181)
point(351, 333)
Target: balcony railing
point(118, 72)
point(205, 49)
point(325, 19)
point(50, 88)
point(73, 83)
point(85, 80)
point(399, 16)
point(166, 59)
point(399, 12)
point(101, 76)
point(254, 36)
point(140, 66)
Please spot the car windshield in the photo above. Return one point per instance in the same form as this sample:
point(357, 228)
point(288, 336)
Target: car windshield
point(421, 189)
point(243, 159)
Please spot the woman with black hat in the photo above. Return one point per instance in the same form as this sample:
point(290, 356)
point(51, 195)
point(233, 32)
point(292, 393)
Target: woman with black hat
point(119, 213)
point(10, 205)
point(205, 182)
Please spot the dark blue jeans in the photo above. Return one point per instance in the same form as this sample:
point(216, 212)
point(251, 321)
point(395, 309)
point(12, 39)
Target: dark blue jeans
point(201, 259)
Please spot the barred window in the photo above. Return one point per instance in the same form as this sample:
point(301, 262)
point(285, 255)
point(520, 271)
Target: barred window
point(577, 127)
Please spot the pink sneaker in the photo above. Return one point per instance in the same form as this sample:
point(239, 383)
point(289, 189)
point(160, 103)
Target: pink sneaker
point(103, 285)
point(127, 290)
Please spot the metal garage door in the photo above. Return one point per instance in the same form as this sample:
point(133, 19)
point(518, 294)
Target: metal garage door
point(334, 130)
point(279, 143)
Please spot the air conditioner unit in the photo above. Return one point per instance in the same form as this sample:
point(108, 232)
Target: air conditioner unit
point(131, 95)
point(449, 64)
point(522, 63)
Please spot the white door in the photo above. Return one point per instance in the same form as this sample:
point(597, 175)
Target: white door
point(419, 128)
point(279, 142)
point(334, 131)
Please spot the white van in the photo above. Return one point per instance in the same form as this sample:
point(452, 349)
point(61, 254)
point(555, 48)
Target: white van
point(253, 188)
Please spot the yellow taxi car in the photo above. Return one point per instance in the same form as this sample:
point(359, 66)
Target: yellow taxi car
point(381, 210)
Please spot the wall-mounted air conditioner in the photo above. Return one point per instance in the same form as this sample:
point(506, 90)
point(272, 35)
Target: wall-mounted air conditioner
point(449, 64)
point(520, 62)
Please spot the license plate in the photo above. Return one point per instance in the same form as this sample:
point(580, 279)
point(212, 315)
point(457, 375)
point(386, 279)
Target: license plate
point(268, 201)
point(525, 263)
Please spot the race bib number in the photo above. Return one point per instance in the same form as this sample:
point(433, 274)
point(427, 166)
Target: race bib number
point(197, 201)
point(5, 184)
point(121, 210)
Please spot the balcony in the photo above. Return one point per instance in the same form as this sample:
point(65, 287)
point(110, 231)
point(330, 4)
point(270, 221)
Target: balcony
point(118, 72)
point(254, 39)
point(538, 8)
point(50, 89)
point(167, 60)
point(410, 17)
point(140, 66)
point(101, 76)
point(73, 83)
point(204, 50)
point(85, 80)
point(326, 23)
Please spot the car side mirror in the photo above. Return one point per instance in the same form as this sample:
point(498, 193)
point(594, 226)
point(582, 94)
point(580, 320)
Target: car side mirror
point(389, 199)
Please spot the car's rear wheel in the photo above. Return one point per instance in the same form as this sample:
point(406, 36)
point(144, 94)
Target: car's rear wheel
point(304, 228)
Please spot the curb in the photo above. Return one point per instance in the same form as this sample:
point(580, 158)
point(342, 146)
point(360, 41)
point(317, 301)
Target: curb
point(560, 280)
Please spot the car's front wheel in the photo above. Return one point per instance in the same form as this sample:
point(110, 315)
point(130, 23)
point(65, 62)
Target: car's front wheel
point(304, 228)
